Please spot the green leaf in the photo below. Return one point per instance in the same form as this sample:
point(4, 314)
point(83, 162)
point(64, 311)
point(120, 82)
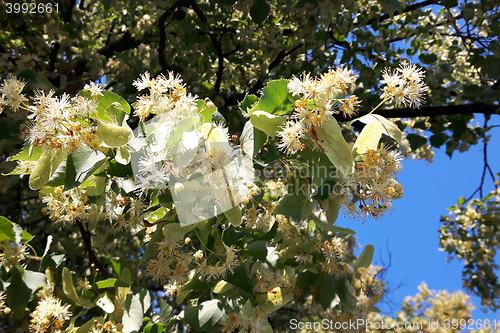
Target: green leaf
point(28, 153)
point(490, 67)
point(257, 249)
point(156, 328)
point(461, 201)
point(152, 247)
point(126, 276)
point(133, 314)
point(222, 286)
point(59, 175)
point(266, 122)
point(13, 232)
point(365, 258)
point(114, 114)
point(368, 138)
point(7, 230)
point(122, 155)
point(63, 81)
point(275, 298)
point(166, 312)
point(187, 124)
point(416, 141)
point(176, 231)
point(274, 99)
point(290, 204)
point(372, 308)
point(438, 139)
point(145, 298)
point(234, 216)
point(308, 207)
point(491, 195)
point(80, 165)
point(34, 280)
point(240, 279)
point(332, 209)
point(259, 11)
point(208, 312)
point(116, 169)
point(325, 189)
point(47, 246)
point(266, 236)
point(428, 58)
point(206, 109)
point(330, 139)
point(85, 328)
point(43, 82)
point(246, 105)
point(323, 225)
point(18, 293)
point(327, 294)
point(68, 286)
point(252, 139)
point(108, 283)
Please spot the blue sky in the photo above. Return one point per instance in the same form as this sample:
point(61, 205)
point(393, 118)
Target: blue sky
point(410, 234)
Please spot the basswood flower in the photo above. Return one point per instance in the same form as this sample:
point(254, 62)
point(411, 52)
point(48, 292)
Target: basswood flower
point(94, 89)
point(11, 90)
point(405, 85)
point(49, 316)
point(290, 137)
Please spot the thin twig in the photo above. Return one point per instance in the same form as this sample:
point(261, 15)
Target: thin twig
point(397, 12)
point(88, 249)
point(11, 202)
point(163, 36)
point(217, 45)
point(486, 168)
point(32, 223)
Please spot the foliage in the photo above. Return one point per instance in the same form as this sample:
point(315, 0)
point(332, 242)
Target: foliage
point(470, 234)
point(143, 188)
point(208, 225)
point(427, 311)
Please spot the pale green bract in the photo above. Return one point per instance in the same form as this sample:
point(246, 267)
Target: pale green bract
point(332, 142)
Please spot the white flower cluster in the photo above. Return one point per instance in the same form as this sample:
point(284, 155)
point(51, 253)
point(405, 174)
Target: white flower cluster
point(177, 265)
point(11, 253)
point(49, 316)
point(11, 90)
point(405, 85)
point(203, 171)
point(318, 99)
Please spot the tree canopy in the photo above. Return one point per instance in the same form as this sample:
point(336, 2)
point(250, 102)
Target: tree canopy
point(181, 165)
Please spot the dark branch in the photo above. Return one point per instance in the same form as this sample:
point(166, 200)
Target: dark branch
point(282, 55)
point(32, 223)
point(108, 39)
point(69, 11)
point(430, 111)
point(486, 168)
point(217, 45)
point(11, 202)
point(397, 12)
point(163, 37)
point(88, 249)
point(126, 42)
point(53, 56)
point(496, 85)
point(233, 99)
